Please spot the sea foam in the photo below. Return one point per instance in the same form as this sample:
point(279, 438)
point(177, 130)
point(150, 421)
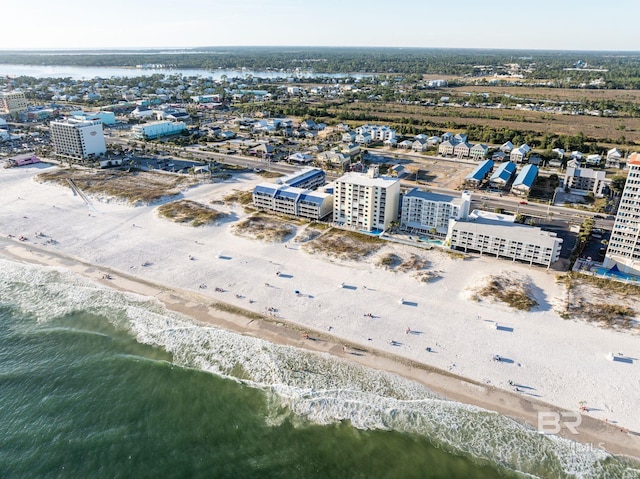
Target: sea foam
point(304, 386)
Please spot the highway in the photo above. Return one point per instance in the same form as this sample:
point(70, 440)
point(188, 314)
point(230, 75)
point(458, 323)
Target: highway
point(480, 200)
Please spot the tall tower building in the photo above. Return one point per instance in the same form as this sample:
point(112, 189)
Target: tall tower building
point(366, 201)
point(624, 245)
point(78, 139)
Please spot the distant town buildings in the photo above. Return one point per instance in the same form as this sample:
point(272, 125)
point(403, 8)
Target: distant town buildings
point(366, 201)
point(13, 102)
point(78, 139)
point(150, 131)
point(623, 251)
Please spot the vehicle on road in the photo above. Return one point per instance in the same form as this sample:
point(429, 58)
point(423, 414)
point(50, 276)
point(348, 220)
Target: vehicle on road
point(524, 203)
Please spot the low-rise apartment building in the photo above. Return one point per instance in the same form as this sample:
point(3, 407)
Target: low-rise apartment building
point(585, 180)
point(150, 131)
point(499, 236)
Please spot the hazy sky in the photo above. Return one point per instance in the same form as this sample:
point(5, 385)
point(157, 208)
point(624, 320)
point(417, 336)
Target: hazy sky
point(532, 24)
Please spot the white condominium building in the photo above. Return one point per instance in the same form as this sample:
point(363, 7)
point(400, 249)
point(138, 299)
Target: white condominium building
point(79, 139)
point(624, 245)
point(13, 102)
point(366, 201)
point(499, 236)
point(423, 211)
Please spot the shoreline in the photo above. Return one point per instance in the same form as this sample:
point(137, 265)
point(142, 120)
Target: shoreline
point(599, 434)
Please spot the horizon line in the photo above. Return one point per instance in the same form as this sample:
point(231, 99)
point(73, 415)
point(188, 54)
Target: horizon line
point(156, 48)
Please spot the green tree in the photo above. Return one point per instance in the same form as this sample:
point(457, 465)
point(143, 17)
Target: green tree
point(618, 182)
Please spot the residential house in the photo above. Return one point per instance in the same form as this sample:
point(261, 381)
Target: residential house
point(519, 154)
point(462, 150)
point(420, 145)
point(445, 148)
point(593, 160)
point(506, 147)
point(479, 174)
point(524, 181)
point(363, 138)
point(433, 140)
point(447, 136)
point(333, 159)
point(499, 156)
point(300, 158)
point(459, 138)
point(503, 175)
point(406, 144)
point(479, 152)
point(613, 158)
point(349, 136)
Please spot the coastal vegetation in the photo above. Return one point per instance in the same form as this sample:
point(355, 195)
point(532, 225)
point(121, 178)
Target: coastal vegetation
point(241, 197)
point(503, 288)
point(342, 244)
point(135, 187)
point(264, 228)
point(556, 68)
point(187, 211)
point(604, 301)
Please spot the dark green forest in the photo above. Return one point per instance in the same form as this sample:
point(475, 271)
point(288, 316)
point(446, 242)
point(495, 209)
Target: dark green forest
point(617, 69)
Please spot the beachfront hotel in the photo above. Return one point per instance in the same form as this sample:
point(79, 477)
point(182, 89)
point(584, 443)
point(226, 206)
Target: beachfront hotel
point(78, 139)
point(424, 211)
point(498, 235)
point(624, 244)
point(294, 195)
point(366, 201)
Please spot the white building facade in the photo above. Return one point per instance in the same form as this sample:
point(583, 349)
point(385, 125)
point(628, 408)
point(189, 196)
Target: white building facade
point(366, 201)
point(423, 211)
point(78, 139)
point(485, 233)
point(624, 245)
point(13, 102)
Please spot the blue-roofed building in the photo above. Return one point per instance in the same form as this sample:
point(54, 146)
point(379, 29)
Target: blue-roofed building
point(292, 201)
point(307, 178)
point(503, 175)
point(479, 173)
point(524, 181)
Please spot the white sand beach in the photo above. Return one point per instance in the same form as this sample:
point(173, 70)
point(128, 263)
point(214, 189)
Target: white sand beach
point(549, 359)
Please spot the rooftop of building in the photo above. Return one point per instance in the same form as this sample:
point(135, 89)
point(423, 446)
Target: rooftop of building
point(436, 197)
point(363, 179)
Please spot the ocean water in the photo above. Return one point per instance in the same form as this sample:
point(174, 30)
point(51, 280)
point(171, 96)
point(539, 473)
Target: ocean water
point(98, 383)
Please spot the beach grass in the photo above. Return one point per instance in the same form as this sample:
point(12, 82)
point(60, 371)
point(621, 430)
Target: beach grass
point(241, 197)
point(134, 187)
point(512, 291)
point(264, 228)
point(342, 244)
point(187, 211)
